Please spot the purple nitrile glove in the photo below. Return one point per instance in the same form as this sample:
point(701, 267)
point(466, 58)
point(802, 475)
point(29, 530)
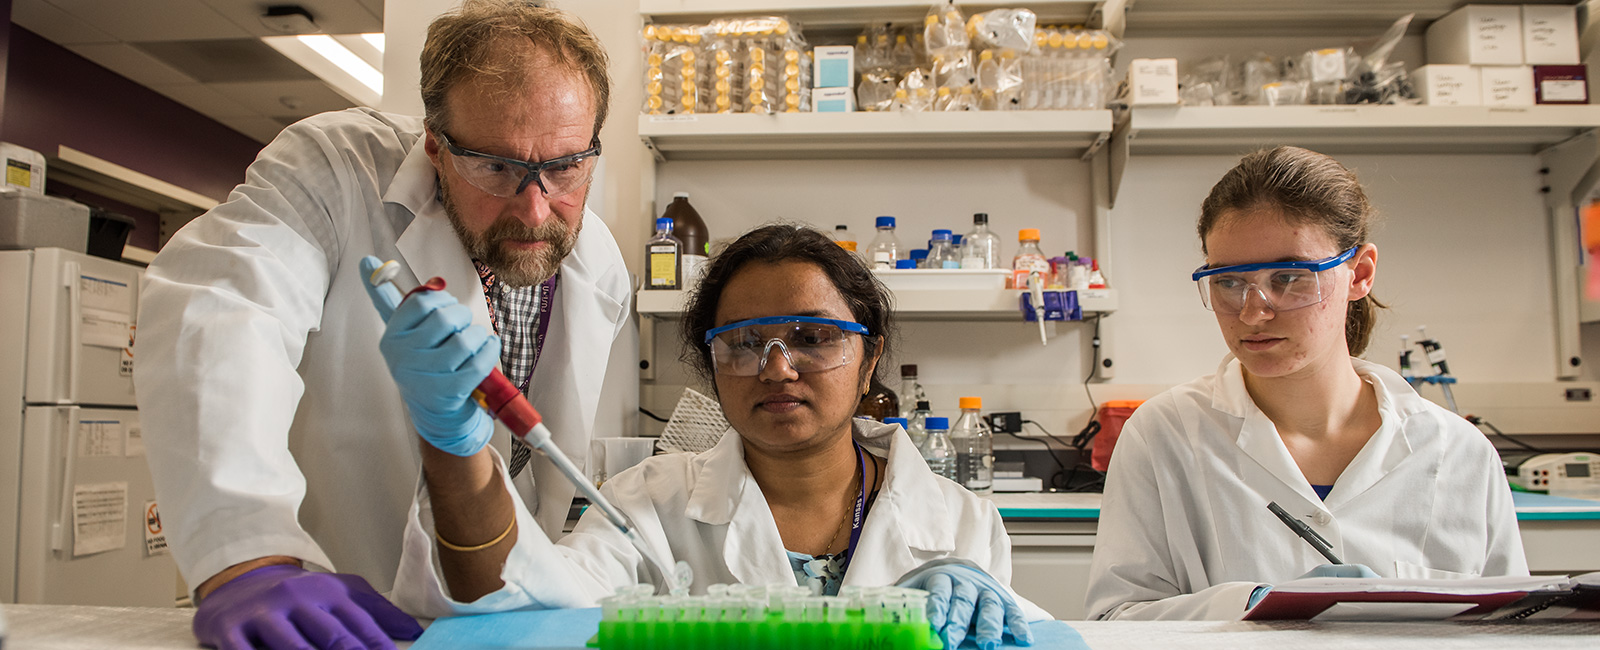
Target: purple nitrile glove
point(285, 607)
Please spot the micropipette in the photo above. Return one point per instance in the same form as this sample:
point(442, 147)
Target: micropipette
point(511, 410)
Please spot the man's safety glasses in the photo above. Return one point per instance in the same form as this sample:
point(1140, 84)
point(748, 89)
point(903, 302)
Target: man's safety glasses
point(508, 177)
point(1283, 286)
point(809, 344)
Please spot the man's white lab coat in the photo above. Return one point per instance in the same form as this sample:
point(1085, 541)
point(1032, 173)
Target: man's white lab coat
point(272, 422)
point(1184, 528)
point(706, 509)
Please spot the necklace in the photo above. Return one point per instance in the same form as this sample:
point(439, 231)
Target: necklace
point(847, 513)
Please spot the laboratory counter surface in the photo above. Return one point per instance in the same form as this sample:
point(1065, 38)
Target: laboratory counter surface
point(1084, 506)
point(58, 627)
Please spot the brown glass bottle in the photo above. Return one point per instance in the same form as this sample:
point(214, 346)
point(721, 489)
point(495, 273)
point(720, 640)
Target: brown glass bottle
point(879, 402)
point(688, 226)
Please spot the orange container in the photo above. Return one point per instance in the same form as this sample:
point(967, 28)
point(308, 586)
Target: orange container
point(1111, 415)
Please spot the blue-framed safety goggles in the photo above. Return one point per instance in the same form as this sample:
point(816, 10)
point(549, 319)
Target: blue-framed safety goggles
point(808, 344)
point(1283, 286)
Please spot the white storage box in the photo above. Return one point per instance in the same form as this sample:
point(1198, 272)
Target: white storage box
point(1153, 82)
point(24, 167)
point(949, 279)
point(835, 66)
point(1507, 85)
point(1550, 35)
point(33, 220)
point(1448, 85)
point(1477, 35)
point(833, 100)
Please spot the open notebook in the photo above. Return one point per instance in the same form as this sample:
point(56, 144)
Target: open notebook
point(1472, 599)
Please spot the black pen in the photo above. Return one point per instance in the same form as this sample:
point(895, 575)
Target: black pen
point(1300, 528)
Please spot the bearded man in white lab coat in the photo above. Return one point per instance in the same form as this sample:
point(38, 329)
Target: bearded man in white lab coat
point(276, 435)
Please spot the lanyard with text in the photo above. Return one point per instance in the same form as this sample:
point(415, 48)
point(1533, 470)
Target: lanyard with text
point(860, 512)
point(547, 297)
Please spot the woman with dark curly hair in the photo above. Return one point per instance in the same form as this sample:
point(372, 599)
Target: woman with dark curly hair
point(788, 329)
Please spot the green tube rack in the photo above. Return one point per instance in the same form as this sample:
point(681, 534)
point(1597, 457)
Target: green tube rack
point(730, 617)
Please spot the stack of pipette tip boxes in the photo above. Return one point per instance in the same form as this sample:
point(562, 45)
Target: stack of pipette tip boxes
point(766, 617)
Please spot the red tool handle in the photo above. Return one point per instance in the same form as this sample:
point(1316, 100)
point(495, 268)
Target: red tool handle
point(496, 393)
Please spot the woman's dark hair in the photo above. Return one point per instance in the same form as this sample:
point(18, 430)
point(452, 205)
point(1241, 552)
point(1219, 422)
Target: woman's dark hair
point(870, 302)
point(1303, 187)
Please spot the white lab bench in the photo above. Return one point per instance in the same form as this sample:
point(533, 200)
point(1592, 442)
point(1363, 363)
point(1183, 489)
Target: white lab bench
point(1053, 536)
point(60, 627)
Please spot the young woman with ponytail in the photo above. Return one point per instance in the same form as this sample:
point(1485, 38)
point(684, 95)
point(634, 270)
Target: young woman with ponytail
point(1398, 486)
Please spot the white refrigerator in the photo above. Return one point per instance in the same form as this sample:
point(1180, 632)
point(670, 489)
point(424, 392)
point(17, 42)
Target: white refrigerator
point(78, 519)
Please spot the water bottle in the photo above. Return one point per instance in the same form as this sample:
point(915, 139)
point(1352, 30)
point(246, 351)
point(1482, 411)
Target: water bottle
point(664, 258)
point(885, 248)
point(974, 448)
point(981, 248)
point(938, 450)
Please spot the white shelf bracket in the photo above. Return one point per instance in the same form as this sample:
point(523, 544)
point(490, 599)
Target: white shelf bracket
point(1112, 16)
point(650, 146)
point(1571, 175)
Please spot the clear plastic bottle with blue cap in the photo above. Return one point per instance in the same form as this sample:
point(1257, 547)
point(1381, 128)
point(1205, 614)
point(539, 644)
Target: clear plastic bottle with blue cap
point(941, 253)
point(920, 257)
point(885, 248)
point(663, 258)
point(937, 450)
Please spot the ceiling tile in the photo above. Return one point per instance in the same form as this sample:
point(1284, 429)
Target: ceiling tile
point(333, 16)
point(232, 60)
point(55, 25)
point(262, 129)
point(267, 98)
point(153, 20)
point(204, 99)
point(123, 59)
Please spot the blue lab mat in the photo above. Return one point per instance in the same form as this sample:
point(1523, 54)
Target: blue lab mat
point(572, 628)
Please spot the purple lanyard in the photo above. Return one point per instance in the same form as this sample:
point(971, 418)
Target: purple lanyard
point(860, 513)
point(547, 297)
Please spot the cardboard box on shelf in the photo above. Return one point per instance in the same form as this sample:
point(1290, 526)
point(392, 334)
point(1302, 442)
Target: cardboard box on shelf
point(1477, 35)
point(1448, 85)
point(1561, 84)
point(833, 100)
point(1153, 82)
point(1507, 85)
point(1550, 35)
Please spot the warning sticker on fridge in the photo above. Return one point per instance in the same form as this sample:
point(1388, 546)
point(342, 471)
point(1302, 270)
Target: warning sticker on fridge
point(155, 541)
point(99, 517)
point(135, 441)
point(100, 438)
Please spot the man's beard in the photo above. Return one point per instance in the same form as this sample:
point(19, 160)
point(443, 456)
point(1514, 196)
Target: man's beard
point(516, 268)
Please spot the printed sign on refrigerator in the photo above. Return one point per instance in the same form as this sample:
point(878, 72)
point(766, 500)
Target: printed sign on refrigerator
point(100, 438)
point(99, 517)
point(155, 541)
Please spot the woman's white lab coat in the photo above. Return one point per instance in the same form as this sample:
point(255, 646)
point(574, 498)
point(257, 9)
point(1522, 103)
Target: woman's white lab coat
point(273, 426)
point(1185, 532)
point(707, 509)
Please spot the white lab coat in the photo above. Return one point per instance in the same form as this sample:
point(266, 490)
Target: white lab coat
point(1185, 532)
point(273, 425)
point(706, 509)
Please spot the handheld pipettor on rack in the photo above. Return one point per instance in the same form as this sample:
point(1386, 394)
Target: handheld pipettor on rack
point(511, 410)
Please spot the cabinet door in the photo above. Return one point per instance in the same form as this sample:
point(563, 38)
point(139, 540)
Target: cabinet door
point(1050, 565)
point(81, 312)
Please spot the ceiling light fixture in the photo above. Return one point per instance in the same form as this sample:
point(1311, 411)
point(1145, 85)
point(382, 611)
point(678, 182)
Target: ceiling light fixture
point(341, 56)
point(356, 76)
point(376, 39)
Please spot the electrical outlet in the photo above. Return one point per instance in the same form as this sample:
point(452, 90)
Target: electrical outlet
point(1005, 422)
point(1579, 395)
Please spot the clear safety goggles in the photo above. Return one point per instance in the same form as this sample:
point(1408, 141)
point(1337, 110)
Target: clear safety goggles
point(1282, 286)
point(808, 344)
point(508, 177)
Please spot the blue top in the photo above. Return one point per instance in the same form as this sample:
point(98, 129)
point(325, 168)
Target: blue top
point(907, 264)
point(899, 421)
point(1322, 491)
point(885, 222)
point(919, 253)
point(941, 234)
point(939, 424)
point(664, 223)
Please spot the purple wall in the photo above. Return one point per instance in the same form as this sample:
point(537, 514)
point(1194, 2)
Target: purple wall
point(5, 48)
point(53, 97)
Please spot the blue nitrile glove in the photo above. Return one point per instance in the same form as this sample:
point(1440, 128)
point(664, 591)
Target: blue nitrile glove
point(285, 607)
point(962, 596)
point(1340, 571)
point(437, 357)
point(1320, 571)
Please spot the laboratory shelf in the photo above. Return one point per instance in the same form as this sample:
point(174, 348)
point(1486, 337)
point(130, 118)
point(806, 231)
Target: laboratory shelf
point(1357, 129)
point(850, 13)
point(1288, 17)
point(915, 304)
point(967, 134)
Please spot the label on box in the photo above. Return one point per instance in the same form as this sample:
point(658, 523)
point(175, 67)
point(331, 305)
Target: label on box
point(1563, 90)
point(19, 173)
point(1153, 81)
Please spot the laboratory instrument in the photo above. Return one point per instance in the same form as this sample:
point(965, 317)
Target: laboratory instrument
point(1441, 370)
point(885, 248)
point(766, 616)
point(974, 448)
point(511, 411)
point(1575, 475)
point(663, 258)
point(1305, 532)
point(938, 450)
